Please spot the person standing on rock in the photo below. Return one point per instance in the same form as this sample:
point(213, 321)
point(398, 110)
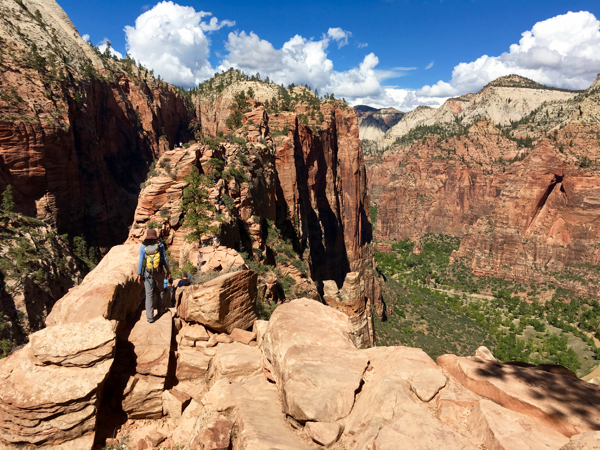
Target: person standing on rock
point(152, 265)
point(200, 260)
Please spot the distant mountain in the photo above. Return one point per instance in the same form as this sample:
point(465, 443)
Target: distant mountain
point(373, 123)
point(503, 101)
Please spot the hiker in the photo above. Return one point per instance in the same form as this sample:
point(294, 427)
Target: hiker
point(215, 241)
point(152, 264)
point(200, 260)
point(168, 293)
point(185, 281)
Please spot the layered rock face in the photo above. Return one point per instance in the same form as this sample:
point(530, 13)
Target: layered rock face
point(307, 178)
point(440, 193)
point(76, 137)
point(51, 388)
point(521, 196)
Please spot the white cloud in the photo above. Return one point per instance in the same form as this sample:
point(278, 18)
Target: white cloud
point(339, 35)
point(362, 45)
point(305, 61)
point(172, 40)
point(85, 37)
point(299, 61)
point(102, 47)
point(563, 51)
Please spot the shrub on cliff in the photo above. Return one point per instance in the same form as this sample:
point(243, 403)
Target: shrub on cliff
point(8, 201)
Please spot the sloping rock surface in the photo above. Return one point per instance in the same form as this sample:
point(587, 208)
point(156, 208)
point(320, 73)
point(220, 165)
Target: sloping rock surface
point(565, 404)
point(109, 291)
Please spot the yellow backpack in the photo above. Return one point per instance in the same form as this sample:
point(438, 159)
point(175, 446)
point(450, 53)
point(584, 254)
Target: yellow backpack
point(152, 257)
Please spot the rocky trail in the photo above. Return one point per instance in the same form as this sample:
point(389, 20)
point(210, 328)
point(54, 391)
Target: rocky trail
point(279, 178)
point(209, 375)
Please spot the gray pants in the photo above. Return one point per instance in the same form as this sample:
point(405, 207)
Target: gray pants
point(153, 283)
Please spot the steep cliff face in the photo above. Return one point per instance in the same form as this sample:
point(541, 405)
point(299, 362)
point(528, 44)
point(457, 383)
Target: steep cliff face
point(37, 267)
point(521, 196)
point(77, 129)
point(322, 186)
point(304, 171)
point(442, 185)
point(543, 225)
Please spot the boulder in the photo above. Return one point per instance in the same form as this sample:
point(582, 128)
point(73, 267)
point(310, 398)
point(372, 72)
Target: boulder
point(485, 354)
point(51, 400)
point(152, 344)
point(223, 303)
point(323, 433)
point(191, 364)
point(319, 383)
point(183, 432)
point(496, 427)
point(218, 259)
point(80, 344)
point(236, 362)
point(313, 360)
point(223, 339)
point(174, 402)
point(245, 337)
point(565, 404)
point(142, 397)
point(260, 328)
point(154, 438)
point(215, 435)
point(109, 291)
point(194, 333)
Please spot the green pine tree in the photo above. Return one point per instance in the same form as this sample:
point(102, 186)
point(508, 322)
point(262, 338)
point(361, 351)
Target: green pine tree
point(8, 201)
point(196, 206)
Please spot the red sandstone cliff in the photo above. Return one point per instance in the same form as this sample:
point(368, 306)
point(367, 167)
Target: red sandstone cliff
point(309, 178)
point(524, 198)
point(77, 131)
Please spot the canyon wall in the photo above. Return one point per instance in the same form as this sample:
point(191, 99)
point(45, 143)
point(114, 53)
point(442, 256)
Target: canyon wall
point(78, 130)
point(307, 179)
point(522, 196)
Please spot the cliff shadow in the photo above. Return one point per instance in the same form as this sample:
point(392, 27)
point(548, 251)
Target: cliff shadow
point(317, 227)
point(111, 417)
point(577, 397)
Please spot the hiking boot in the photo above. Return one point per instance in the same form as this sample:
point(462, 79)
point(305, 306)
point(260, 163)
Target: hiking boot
point(151, 320)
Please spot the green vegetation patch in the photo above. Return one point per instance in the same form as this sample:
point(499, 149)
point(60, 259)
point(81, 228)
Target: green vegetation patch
point(444, 308)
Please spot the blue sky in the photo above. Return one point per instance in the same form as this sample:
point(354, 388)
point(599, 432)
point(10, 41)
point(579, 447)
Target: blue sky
point(372, 43)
